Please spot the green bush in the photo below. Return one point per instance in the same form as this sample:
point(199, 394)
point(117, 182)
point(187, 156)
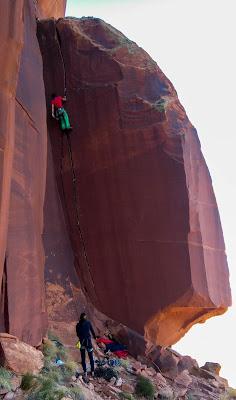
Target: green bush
point(49, 350)
point(69, 369)
point(54, 348)
point(76, 393)
point(5, 379)
point(55, 374)
point(160, 105)
point(53, 337)
point(47, 389)
point(144, 388)
point(126, 396)
point(28, 381)
point(50, 383)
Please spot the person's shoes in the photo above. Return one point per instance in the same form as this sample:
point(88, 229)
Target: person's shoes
point(85, 378)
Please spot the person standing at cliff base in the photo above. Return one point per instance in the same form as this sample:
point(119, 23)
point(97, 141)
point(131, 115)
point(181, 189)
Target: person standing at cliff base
point(59, 112)
point(84, 330)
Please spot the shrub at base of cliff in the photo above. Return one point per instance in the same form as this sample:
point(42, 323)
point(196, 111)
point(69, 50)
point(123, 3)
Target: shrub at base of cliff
point(144, 388)
point(5, 379)
point(76, 394)
point(28, 381)
point(229, 395)
point(126, 396)
point(47, 389)
point(50, 384)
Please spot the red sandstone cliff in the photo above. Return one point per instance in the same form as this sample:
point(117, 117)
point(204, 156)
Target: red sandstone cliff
point(142, 215)
point(139, 227)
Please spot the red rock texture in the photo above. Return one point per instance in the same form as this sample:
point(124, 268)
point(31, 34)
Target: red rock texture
point(23, 135)
point(51, 8)
point(132, 215)
point(25, 254)
point(11, 39)
point(142, 216)
point(19, 357)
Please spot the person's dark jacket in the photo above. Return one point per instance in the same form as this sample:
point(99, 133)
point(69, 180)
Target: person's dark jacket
point(84, 330)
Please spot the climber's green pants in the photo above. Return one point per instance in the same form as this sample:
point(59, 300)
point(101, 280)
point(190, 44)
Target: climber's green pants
point(63, 119)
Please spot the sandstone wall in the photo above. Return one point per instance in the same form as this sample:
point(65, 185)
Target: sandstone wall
point(126, 221)
point(142, 216)
point(11, 38)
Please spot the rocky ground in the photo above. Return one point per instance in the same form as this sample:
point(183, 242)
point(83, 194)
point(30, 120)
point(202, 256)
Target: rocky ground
point(34, 375)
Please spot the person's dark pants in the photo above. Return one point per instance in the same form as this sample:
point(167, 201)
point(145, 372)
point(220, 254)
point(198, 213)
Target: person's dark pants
point(87, 345)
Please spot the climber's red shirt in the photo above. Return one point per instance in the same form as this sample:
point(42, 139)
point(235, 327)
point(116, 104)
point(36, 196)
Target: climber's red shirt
point(57, 101)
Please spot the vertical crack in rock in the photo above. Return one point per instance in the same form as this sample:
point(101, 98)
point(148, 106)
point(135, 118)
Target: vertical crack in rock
point(4, 314)
point(73, 221)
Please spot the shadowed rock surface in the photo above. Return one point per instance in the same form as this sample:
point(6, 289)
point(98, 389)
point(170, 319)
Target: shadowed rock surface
point(141, 213)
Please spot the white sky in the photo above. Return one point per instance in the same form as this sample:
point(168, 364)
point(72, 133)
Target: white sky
point(193, 41)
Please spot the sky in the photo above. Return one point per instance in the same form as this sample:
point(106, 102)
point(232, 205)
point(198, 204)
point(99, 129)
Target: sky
point(193, 42)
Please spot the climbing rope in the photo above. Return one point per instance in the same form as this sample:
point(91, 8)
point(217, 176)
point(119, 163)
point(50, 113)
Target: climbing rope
point(76, 206)
point(61, 56)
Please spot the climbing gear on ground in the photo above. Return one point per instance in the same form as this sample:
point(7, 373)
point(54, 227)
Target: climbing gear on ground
point(113, 362)
point(106, 373)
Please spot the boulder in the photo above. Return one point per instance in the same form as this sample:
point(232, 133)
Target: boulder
point(16, 382)
point(20, 357)
point(160, 380)
point(187, 362)
point(150, 371)
point(165, 392)
point(119, 382)
point(212, 367)
point(183, 379)
point(128, 388)
point(207, 375)
point(9, 396)
point(167, 362)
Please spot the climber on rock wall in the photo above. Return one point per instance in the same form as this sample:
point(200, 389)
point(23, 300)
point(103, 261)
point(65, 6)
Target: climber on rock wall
point(59, 112)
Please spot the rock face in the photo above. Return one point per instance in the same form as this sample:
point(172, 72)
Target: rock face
point(25, 254)
point(19, 357)
point(136, 193)
point(121, 216)
point(51, 8)
point(11, 38)
point(23, 134)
